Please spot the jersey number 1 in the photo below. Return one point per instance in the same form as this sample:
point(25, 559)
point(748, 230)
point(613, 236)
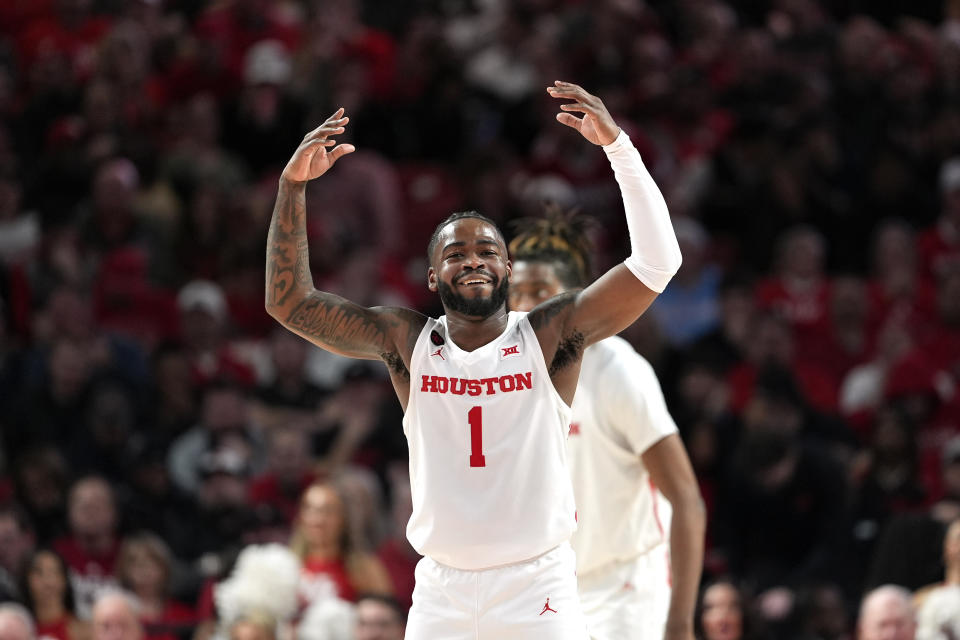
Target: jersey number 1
point(475, 417)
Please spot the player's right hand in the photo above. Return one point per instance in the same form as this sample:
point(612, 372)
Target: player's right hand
point(312, 159)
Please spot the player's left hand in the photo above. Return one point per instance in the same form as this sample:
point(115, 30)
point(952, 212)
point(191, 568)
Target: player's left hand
point(596, 125)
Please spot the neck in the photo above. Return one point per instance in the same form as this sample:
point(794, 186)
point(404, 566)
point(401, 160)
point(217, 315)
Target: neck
point(953, 575)
point(49, 611)
point(151, 604)
point(96, 543)
point(471, 333)
point(324, 552)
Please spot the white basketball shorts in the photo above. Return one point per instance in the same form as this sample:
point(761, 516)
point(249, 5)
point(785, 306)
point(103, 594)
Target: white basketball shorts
point(532, 600)
point(629, 600)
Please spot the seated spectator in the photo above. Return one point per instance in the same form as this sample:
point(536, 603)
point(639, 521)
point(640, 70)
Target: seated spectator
point(143, 568)
point(886, 473)
point(688, 308)
point(16, 623)
point(40, 479)
point(799, 291)
point(332, 568)
point(772, 344)
point(951, 564)
point(289, 472)
point(115, 617)
point(887, 613)
point(224, 427)
point(289, 395)
point(48, 594)
point(895, 273)
point(16, 542)
point(203, 327)
point(174, 407)
point(91, 547)
point(862, 390)
point(379, 618)
point(722, 614)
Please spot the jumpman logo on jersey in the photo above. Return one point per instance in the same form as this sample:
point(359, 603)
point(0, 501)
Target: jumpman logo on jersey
point(510, 351)
point(438, 352)
point(547, 607)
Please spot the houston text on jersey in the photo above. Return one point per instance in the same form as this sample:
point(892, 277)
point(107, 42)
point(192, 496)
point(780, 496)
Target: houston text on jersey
point(484, 386)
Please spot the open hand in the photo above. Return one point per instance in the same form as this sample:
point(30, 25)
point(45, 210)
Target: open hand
point(312, 159)
point(596, 125)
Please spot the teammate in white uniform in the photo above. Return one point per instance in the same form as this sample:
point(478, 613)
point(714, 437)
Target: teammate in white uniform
point(486, 393)
point(624, 455)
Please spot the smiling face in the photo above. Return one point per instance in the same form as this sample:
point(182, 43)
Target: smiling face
point(321, 520)
point(470, 269)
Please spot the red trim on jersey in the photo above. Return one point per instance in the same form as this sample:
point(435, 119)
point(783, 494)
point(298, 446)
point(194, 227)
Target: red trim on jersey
point(663, 537)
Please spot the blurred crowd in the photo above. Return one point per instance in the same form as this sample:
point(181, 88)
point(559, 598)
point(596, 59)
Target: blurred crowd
point(155, 421)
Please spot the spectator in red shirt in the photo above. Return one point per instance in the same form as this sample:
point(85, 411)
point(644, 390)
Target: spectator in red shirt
point(799, 290)
point(92, 545)
point(49, 596)
point(288, 474)
point(332, 567)
point(203, 323)
point(143, 568)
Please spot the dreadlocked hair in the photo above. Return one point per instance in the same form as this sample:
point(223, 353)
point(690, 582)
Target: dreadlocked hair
point(559, 238)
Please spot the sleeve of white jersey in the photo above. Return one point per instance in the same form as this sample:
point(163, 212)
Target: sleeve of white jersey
point(633, 401)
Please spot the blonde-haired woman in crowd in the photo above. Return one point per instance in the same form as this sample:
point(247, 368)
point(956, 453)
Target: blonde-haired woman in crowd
point(332, 566)
point(143, 568)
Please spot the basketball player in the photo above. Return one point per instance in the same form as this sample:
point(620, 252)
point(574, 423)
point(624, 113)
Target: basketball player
point(624, 455)
point(485, 392)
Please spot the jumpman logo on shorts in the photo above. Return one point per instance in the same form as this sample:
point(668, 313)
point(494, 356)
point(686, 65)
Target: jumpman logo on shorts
point(546, 607)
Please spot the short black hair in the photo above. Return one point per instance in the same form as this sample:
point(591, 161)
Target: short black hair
point(560, 238)
point(453, 217)
point(388, 601)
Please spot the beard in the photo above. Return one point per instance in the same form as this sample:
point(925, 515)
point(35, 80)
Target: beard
point(482, 307)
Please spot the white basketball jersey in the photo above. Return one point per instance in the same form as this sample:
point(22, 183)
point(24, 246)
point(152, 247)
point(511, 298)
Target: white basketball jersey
point(618, 413)
point(487, 435)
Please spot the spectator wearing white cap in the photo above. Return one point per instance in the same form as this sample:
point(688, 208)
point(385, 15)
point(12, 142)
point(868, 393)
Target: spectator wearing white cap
point(204, 320)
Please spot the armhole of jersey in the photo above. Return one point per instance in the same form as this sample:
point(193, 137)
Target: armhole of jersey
point(415, 357)
point(541, 362)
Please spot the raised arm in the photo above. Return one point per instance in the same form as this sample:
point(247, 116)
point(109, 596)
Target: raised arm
point(620, 296)
point(328, 320)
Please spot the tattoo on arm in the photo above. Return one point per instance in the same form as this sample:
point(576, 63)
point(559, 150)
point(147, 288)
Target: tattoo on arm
point(288, 260)
point(546, 312)
point(339, 324)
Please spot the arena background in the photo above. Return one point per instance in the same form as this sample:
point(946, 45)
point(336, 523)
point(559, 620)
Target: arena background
point(809, 347)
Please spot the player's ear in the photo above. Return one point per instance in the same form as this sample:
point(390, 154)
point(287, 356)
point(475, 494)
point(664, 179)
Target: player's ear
point(509, 270)
point(432, 279)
